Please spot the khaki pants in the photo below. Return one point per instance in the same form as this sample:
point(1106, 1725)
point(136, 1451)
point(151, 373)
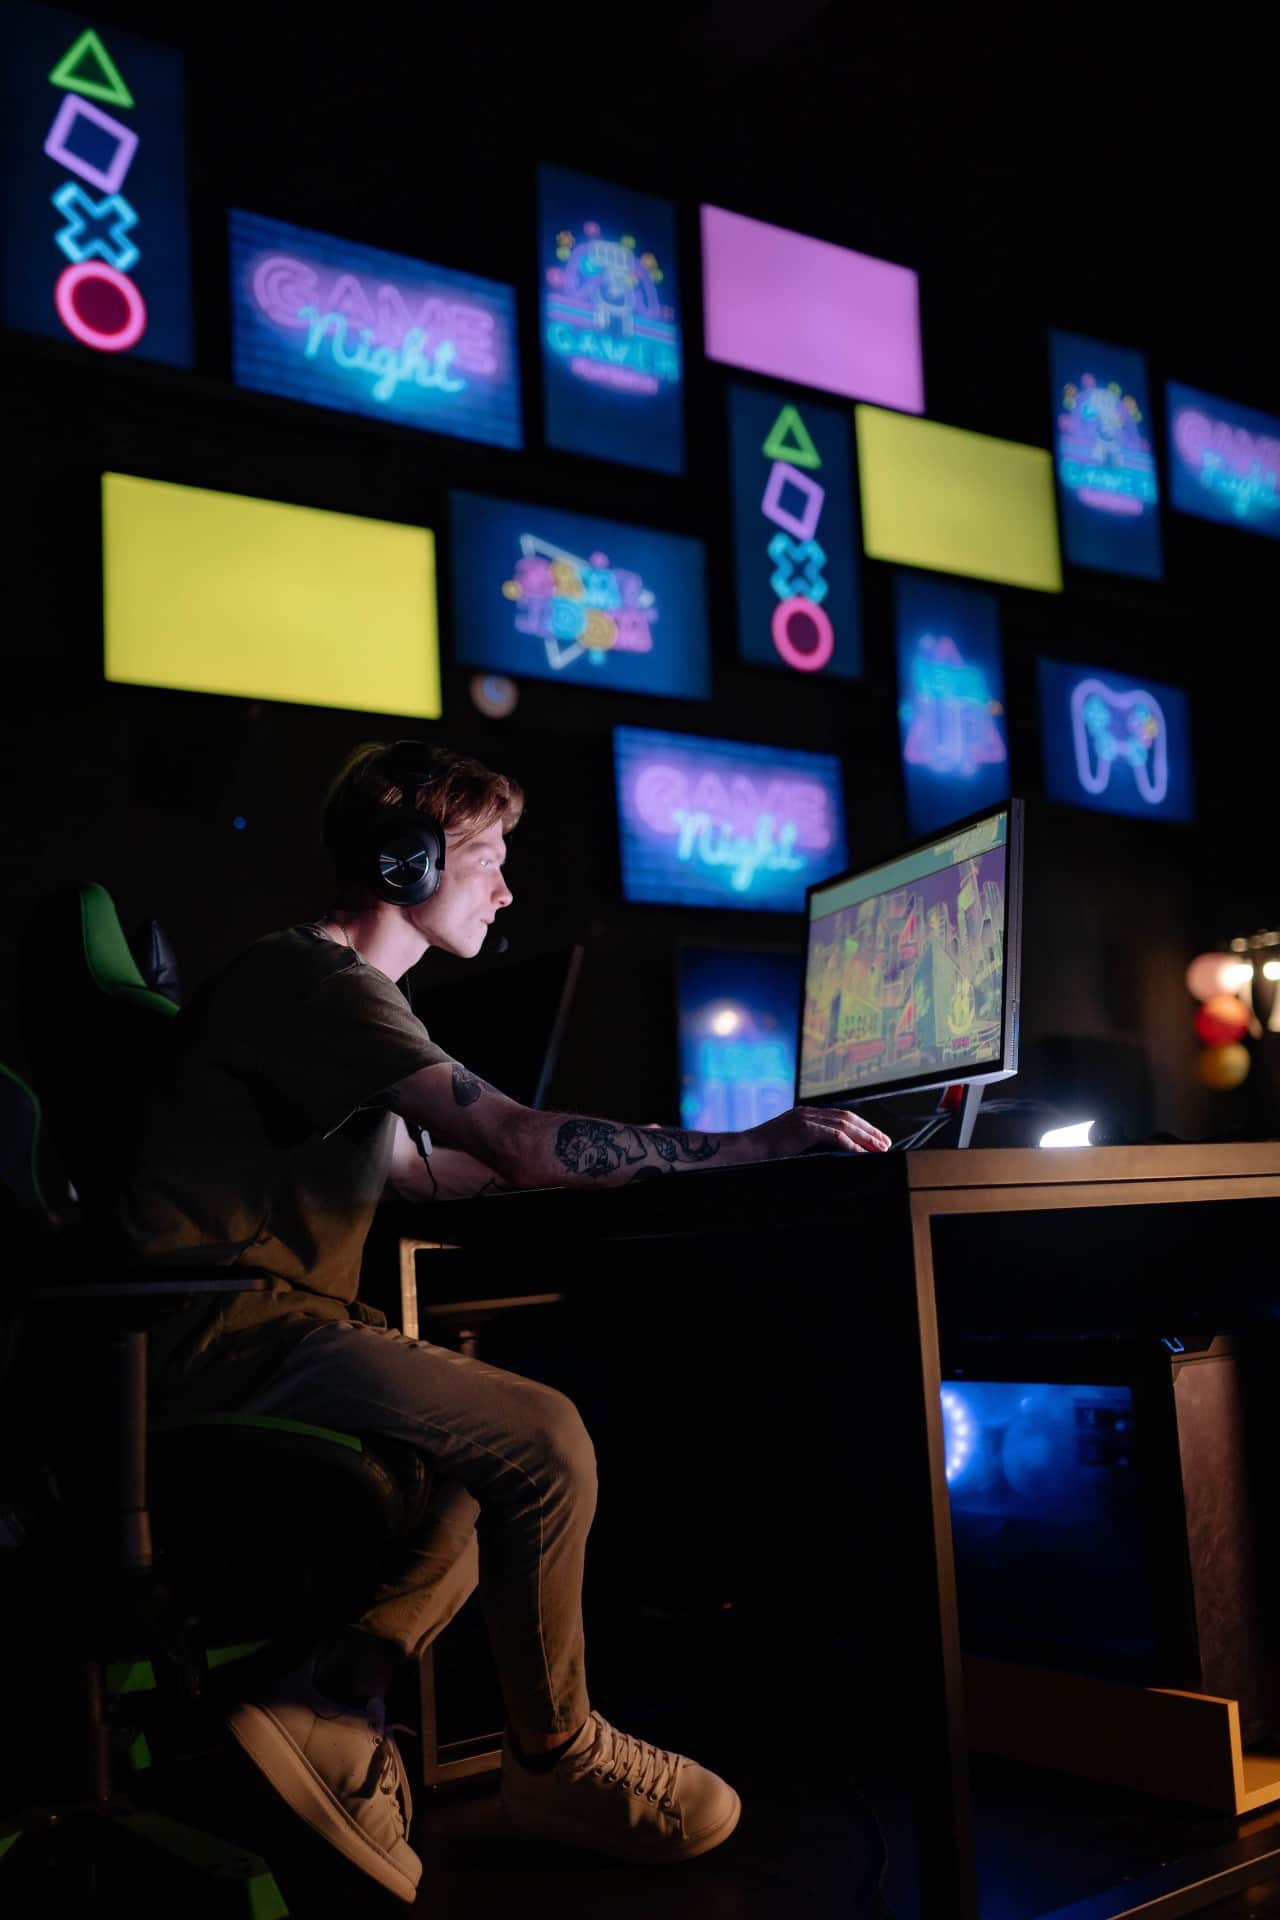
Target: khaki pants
point(511, 1510)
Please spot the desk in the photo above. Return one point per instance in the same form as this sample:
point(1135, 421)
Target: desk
point(885, 1207)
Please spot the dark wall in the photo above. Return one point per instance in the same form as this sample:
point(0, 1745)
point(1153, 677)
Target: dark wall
point(975, 163)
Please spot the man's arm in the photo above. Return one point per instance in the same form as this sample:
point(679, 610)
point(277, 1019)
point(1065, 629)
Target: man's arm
point(530, 1149)
point(444, 1174)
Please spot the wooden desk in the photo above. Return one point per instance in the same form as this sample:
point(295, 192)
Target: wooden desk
point(887, 1207)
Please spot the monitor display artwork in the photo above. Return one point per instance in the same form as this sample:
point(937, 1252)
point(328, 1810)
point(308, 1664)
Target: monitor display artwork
point(957, 502)
point(218, 593)
point(612, 356)
point(737, 1037)
point(954, 739)
point(1114, 743)
point(341, 325)
point(911, 968)
point(794, 308)
point(94, 245)
point(565, 596)
point(1105, 465)
point(1224, 460)
point(718, 823)
point(795, 551)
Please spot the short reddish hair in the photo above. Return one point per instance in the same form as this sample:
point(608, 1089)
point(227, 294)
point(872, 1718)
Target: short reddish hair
point(458, 795)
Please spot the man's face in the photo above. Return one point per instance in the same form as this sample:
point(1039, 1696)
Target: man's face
point(471, 893)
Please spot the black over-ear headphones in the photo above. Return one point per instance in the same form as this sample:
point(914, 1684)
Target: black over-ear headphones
point(407, 856)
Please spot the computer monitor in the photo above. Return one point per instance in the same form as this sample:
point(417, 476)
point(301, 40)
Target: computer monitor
point(506, 1022)
point(911, 968)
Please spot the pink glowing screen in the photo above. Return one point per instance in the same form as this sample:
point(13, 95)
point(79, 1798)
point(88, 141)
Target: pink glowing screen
point(782, 304)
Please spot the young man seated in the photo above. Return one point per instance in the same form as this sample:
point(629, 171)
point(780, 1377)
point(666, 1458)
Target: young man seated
point(300, 1086)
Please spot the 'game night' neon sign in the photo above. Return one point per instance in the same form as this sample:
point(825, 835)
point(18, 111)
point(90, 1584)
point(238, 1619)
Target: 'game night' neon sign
point(718, 822)
point(348, 326)
point(1225, 461)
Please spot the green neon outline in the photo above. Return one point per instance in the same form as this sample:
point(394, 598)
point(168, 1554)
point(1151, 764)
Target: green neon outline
point(804, 453)
point(110, 88)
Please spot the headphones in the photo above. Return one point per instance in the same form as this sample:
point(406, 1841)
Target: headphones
point(406, 859)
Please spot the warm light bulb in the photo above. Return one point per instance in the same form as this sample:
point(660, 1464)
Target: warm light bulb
point(1271, 969)
point(1236, 975)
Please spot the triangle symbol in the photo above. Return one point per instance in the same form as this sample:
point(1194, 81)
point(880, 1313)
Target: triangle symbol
point(789, 440)
point(87, 67)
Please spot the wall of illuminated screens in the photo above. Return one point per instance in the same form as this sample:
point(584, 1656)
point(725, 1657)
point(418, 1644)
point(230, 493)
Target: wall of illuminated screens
point(738, 1017)
point(794, 308)
point(795, 548)
point(959, 502)
point(1224, 460)
point(218, 593)
point(951, 714)
point(563, 596)
point(718, 823)
point(342, 325)
point(612, 354)
point(93, 244)
point(1115, 744)
point(1104, 463)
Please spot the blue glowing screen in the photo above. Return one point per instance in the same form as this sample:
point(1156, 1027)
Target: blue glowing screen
point(342, 325)
point(717, 823)
point(1053, 1556)
point(563, 596)
point(612, 361)
point(94, 244)
point(737, 1037)
point(1104, 462)
point(1115, 743)
point(951, 717)
point(1224, 460)
point(795, 542)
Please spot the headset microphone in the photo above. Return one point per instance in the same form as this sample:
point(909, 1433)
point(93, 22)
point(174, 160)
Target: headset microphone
point(501, 943)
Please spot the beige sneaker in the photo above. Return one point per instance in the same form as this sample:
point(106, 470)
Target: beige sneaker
point(340, 1770)
point(621, 1796)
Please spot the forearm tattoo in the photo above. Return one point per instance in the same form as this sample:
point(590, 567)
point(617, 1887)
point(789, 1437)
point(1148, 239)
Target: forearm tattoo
point(467, 1087)
point(598, 1148)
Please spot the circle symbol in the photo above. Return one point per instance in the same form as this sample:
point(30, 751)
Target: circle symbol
point(802, 634)
point(100, 307)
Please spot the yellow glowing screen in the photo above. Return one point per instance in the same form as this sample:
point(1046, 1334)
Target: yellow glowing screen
point(217, 593)
point(959, 502)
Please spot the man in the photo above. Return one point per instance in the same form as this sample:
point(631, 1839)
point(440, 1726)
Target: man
point(301, 1086)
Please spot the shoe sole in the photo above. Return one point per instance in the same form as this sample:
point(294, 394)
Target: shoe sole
point(689, 1850)
point(279, 1758)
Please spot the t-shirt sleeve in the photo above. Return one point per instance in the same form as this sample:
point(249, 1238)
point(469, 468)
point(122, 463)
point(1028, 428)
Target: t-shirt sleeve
point(353, 1036)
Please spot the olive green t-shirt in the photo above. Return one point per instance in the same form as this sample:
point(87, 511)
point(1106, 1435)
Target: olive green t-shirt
point(266, 1149)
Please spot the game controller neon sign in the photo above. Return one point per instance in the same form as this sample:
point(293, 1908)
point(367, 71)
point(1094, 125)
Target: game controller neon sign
point(1243, 467)
point(373, 329)
point(734, 822)
point(605, 315)
point(792, 502)
point(579, 606)
point(95, 299)
point(1107, 727)
point(951, 717)
point(1103, 457)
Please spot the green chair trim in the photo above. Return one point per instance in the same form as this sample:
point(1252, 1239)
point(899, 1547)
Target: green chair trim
point(244, 1881)
point(112, 967)
point(139, 1676)
point(270, 1422)
point(37, 1114)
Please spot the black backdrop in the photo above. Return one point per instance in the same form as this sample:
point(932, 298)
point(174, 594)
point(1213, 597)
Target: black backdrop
point(1085, 182)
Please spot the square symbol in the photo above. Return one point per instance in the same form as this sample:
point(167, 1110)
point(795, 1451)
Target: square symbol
point(116, 159)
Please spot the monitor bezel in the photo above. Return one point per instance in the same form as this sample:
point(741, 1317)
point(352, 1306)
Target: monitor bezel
point(1007, 1064)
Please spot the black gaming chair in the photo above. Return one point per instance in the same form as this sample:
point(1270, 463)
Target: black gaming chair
point(262, 1526)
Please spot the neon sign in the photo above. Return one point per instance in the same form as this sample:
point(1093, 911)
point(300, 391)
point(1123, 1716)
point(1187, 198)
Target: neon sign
point(720, 823)
point(563, 597)
point(1224, 461)
point(111, 163)
point(611, 342)
point(738, 1019)
point(341, 325)
point(1115, 744)
point(1104, 464)
point(793, 521)
point(955, 754)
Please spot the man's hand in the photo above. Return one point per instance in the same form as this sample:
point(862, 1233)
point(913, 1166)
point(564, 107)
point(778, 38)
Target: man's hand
point(829, 1129)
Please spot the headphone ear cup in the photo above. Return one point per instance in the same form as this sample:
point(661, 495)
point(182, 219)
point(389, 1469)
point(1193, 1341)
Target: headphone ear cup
point(409, 865)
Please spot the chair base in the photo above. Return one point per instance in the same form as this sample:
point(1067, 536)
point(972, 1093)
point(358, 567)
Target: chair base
point(63, 1863)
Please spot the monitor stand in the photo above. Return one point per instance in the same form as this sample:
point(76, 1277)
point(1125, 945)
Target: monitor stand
point(968, 1109)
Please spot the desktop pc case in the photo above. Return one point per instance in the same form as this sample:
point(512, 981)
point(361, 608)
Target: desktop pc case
point(1105, 1518)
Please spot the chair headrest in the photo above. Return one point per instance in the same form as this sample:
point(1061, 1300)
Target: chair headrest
point(111, 965)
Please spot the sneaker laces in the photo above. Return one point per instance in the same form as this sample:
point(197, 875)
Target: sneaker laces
point(639, 1765)
point(386, 1770)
